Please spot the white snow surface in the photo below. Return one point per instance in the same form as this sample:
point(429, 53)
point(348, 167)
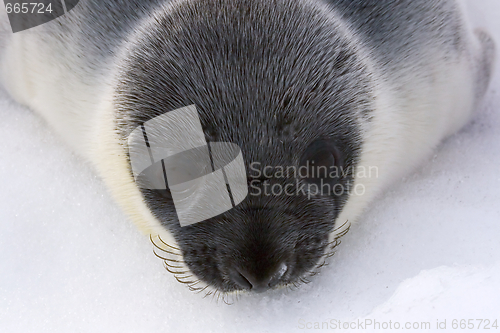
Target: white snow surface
point(427, 250)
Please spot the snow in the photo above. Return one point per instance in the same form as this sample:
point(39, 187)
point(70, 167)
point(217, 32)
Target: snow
point(425, 251)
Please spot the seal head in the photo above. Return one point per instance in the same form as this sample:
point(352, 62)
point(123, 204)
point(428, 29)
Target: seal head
point(282, 81)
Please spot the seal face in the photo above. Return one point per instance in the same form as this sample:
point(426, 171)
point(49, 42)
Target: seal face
point(252, 90)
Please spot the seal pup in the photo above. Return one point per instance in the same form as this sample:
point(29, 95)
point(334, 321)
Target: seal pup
point(333, 84)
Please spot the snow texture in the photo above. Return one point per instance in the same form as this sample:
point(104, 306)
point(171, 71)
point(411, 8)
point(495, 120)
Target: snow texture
point(427, 250)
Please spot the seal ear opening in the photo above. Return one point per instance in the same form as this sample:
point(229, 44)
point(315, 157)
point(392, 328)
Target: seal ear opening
point(322, 160)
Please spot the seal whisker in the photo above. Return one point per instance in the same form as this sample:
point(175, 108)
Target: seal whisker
point(342, 226)
point(195, 289)
point(173, 272)
point(330, 253)
point(317, 269)
point(304, 280)
point(180, 278)
point(184, 277)
point(176, 261)
point(229, 299)
point(291, 288)
point(162, 249)
point(236, 296)
point(201, 290)
point(167, 259)
point(174, 267)
point(182, 274)
point(213, 296)
point(172, 247)
point(333, 246)
point(225, 299)
point(157, 255)
point(191, 288)
point(338, 235)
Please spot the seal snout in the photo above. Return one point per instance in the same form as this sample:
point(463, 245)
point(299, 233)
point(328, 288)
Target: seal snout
point(256, 281)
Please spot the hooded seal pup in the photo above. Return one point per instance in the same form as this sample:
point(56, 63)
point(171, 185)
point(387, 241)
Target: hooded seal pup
point(346, 84)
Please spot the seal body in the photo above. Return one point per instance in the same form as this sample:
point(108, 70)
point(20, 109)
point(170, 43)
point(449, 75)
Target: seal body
point(368, 87)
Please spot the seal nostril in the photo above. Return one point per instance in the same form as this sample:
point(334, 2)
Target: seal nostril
point(275, 279)
point(240, 280)
point(250, 281)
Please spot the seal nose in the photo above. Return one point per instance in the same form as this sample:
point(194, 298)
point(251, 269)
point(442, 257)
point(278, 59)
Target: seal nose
point(256, 282)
